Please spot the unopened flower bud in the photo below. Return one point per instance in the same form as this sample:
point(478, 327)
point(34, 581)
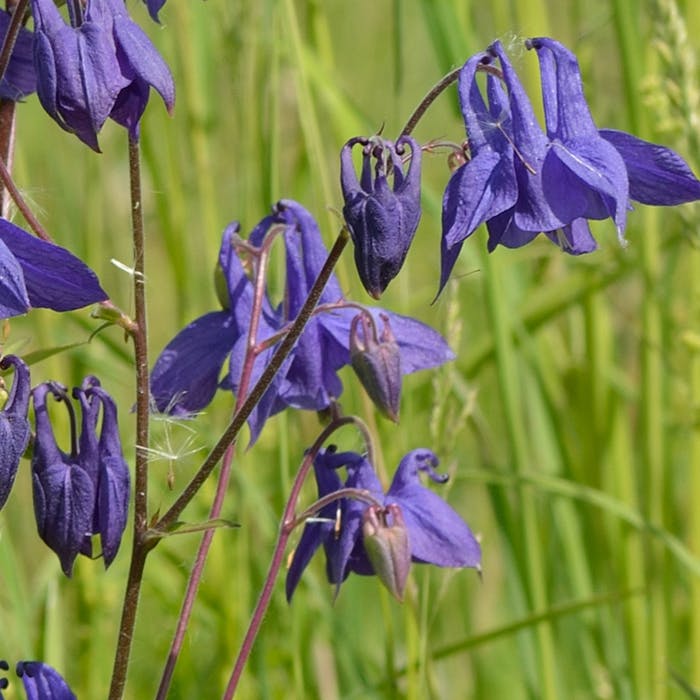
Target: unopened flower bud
point(377, 363)
point(385, 538)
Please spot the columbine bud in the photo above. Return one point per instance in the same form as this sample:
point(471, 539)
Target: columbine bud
point(385, 537)
point(382, 219)
point(377, 363)
point(84, 492)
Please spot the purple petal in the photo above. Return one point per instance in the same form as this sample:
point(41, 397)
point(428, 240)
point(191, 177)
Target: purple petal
point(14, 299)
point(657, 175)
point(186, 374)
point(583, 175)
point(55, 278)
point(437, 534)
point(14, 426)
point(41, 682)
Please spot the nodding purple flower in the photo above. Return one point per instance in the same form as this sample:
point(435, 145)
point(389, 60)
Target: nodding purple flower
point(382, 217)
point(101, 65)
point(20, 79)
point(84, 492)
point(14, 426)
point(436, 533)
point(186, 375)
point(40, 681)
point(34, 273)
point(522, 182)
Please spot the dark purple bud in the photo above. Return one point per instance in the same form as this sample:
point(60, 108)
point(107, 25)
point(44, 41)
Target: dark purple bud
point(382, 218)
point(377, 363)
point(385, 538)
point(64, 491)
point(41, 682)
point(14, 426)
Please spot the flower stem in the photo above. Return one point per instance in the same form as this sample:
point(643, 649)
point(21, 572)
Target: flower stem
point(287, 525)
point(285, 347)
point(140, 546)
point(204, 546)
point(435, 92)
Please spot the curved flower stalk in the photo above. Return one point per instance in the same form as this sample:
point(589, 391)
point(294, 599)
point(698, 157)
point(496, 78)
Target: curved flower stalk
point(521, 181)
point(101, 65)
point(186, 374)
point(407, 523)
point(84, 492)
point(382, 218)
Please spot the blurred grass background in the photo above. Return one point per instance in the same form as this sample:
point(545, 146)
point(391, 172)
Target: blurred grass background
point(569, 423)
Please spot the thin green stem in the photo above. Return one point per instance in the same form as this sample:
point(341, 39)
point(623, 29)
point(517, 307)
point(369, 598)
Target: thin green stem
point(140, 336)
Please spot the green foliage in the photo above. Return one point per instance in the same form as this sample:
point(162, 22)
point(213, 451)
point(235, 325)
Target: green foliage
point(569, 421)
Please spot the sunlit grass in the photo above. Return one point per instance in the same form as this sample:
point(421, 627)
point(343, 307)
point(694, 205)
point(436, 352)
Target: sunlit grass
point(568, 422)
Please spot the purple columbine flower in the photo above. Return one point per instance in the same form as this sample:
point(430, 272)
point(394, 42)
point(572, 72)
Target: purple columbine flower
point(14, 426)
point(382, 218)
point(20, 79)
point(100, 65)
point(436, 533)
point(186, 375)
point(34, 273)
point(521, 182)
point(84, 492)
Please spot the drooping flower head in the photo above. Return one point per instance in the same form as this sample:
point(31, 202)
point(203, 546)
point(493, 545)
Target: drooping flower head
point(100, 65)
point(186, 375)
point(434, 532)
point(521, 181)
point(14, 426)
point(382, 217)
point(84, 492)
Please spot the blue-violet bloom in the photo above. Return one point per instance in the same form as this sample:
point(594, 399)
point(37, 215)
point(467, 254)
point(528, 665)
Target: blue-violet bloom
point(101, 65)
point(186, 375)
point(84, 492)
point(14, 426)
point(34, 273)
point(520, 181)
point(382, 218)
point(436, 533)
